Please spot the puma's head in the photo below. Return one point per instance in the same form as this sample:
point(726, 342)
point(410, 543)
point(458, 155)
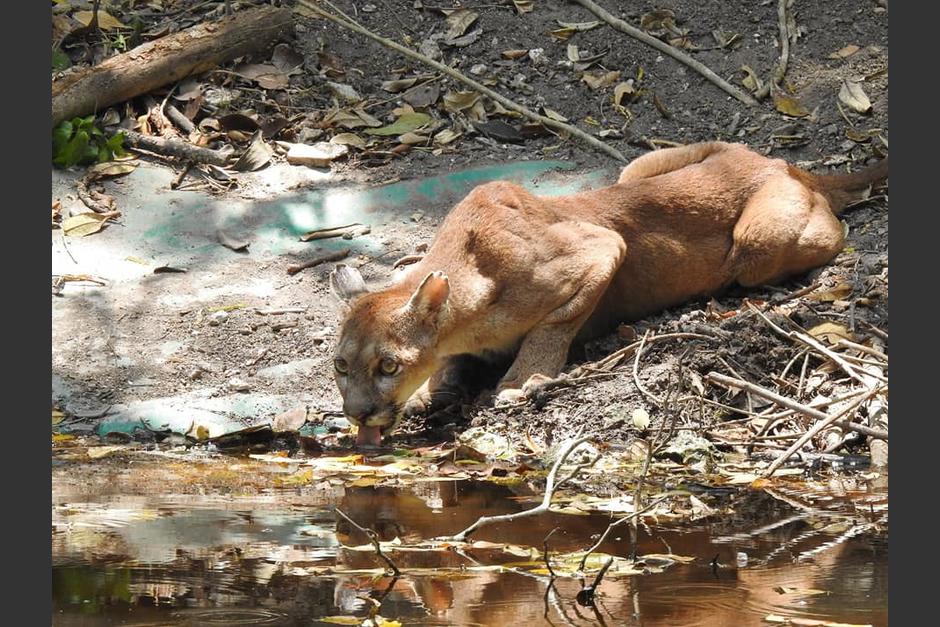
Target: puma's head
point(386, 347)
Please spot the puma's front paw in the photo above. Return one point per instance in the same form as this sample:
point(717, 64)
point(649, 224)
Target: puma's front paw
point(509, 396)
point(418, 404)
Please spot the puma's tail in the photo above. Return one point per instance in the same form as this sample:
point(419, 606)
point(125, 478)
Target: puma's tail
point(843, 189)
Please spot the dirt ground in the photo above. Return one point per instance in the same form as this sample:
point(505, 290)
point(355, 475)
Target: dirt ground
point(146, 336)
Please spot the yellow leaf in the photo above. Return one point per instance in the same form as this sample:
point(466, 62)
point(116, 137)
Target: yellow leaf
point(111, 168)
point(62, 437)
point(83, 224)
point(97, 452)
point(839, 292)
point(340, 620)
point(57, 416)
point(106, 21)
point(789, 106)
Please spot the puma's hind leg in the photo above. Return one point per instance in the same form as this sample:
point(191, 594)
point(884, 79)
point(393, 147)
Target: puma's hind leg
point(785, 229)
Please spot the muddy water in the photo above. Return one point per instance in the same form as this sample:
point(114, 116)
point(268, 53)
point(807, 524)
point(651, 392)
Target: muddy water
point(129, 555)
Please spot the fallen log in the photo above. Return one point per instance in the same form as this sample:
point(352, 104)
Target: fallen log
point(166, 60)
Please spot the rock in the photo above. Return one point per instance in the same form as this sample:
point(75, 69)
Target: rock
point(319, 155)
point(290, 420)
point(238, 385)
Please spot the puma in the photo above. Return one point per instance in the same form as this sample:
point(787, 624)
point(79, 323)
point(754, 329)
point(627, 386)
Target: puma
point(511, 272)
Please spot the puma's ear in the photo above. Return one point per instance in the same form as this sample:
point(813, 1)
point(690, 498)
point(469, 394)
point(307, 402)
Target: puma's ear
point(347, 283)
point(430, 295)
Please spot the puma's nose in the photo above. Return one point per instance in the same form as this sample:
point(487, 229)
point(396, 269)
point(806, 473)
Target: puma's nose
point(358, 410)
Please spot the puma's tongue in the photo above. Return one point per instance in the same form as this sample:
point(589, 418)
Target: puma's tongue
point(371, 436)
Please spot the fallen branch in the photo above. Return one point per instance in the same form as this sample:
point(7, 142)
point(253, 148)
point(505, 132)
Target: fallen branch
point(665, 48)
point(374, 539)
point(551, 485)
point(165, 60)
point(506, 102)
point(819, 426)
point(176, 148)
point(781, 69)
point(794, 405)
point(337, 256)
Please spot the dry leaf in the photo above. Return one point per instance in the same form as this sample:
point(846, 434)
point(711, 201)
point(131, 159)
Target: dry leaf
point(751, 80)
point(563, 34)
point(86, 223)
point(789, 106)
point(853, 96)
point(523, 6)
point(459, 21)
point(344, 92)
point(624, 90)
point(97, 452)
point(348, 139)
point(579, 26)
point(553, 115)
point(831, 332)
point(641, 419)
point(604, 79)
point(399, 85)
point(110, 168)
point(455, 101)
point(513, 54)
point(839, 292)
point(404, 124)
point(106, 21)
point(318, 155)
point(446, 136)
point(847, 51)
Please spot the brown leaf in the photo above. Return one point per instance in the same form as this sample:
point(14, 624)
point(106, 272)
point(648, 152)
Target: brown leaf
point(422, 95)
point(789, 106)
point(109, 169)
point(839, 292)
point(831, 332)
point(597, 80)
point(256, 156)
point(513, 54)
point(455, 101)
point(318, 155)
point(232, 242)
point(624, 90)
point(106, 21)
point(459, 21)
point(845, 52)
point(523, 6)
point(751, 80)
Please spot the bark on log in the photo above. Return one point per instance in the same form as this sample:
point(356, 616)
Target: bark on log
point(166, 60)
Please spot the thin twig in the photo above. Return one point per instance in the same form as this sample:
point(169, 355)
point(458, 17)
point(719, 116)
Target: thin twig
point(781, 69)
point(636, 377)
point(550, 487)
point(808, 340)
point(548, 563)
point(316, 261)
point(374, 539)
point(619, 522)
point(506, 102)
point(665, 48)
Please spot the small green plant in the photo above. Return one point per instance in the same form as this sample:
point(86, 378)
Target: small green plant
point(79, 141)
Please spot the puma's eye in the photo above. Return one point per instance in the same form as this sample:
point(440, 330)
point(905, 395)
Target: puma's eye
point(341, 366)
point(388, 367)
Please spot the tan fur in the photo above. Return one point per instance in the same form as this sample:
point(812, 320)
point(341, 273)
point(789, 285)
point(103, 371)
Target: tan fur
point(527, 274)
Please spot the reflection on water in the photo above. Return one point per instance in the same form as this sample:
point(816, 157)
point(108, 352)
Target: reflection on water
point(278, 559)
